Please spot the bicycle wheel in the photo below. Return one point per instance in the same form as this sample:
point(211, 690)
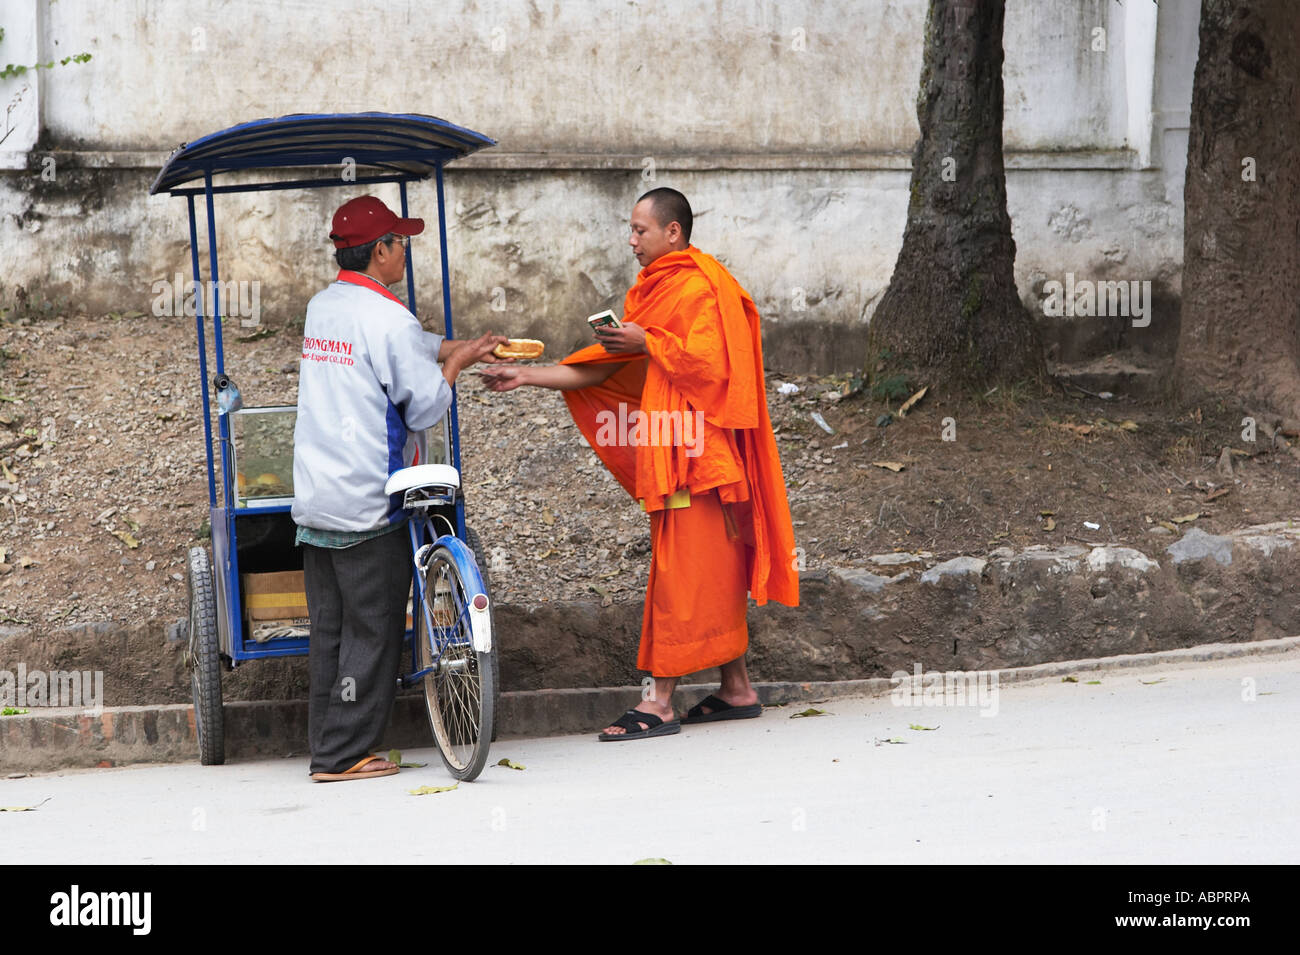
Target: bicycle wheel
point(476, 545)
point(204, 661)
point(459, 690)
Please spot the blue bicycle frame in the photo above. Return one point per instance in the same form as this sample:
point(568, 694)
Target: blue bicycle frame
point(441, 637)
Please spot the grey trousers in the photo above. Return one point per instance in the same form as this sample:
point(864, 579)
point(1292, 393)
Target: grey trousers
point(356, 598)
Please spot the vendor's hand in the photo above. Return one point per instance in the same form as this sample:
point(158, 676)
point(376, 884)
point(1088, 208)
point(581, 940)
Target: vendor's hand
point(629, 339)
point(471, 350)
point(502, 379)
point(491, 359)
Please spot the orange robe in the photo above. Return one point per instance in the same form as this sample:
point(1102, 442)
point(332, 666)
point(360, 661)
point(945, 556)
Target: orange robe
point(703, 427)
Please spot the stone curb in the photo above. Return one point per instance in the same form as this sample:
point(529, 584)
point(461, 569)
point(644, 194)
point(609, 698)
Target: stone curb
point(57, 739)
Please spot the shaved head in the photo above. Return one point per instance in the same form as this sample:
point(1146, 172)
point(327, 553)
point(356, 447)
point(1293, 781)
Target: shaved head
point(670, 206)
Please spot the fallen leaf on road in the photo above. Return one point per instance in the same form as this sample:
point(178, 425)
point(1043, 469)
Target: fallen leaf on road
point(430, 790)
point(1069, 679)
point(1151, 682)
point(1094, 682)
point(508, 764)
point(811, 711)
point(918, 726)
point(1049, 524)
point(395, 757)
point(24, 808)
point(652, 862)
point(894, 740)
point(1186, 518)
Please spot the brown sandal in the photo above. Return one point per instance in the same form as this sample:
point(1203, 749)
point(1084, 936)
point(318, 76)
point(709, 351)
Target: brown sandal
point(356, 772)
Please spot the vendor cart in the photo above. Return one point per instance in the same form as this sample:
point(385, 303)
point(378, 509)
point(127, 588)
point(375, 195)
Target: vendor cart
point(247, 601)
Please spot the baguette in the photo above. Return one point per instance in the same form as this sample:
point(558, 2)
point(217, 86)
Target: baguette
point(520, 348)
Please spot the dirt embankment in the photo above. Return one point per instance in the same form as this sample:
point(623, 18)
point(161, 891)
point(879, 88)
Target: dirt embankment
point(103, 483)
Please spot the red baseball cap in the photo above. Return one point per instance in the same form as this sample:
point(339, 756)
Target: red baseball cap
point(365, 219)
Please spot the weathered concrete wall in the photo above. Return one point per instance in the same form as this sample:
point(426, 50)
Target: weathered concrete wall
point(788, 125)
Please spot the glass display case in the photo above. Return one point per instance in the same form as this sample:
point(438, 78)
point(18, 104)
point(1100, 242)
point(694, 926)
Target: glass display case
point(262, 451)
point(433, 445)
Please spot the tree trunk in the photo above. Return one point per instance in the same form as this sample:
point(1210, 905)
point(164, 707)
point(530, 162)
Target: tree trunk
point(1241, 238)
point(951, 310)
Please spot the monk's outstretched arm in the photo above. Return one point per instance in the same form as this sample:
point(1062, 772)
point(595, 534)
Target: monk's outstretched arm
point(557, 377)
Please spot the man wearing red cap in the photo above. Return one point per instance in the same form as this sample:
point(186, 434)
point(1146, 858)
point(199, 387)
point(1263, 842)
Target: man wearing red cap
point(369, 376)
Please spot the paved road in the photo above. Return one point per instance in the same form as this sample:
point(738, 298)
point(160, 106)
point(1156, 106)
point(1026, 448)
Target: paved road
point(1181, 770)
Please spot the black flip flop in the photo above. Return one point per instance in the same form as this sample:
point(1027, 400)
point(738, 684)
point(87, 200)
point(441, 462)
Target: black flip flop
point(630, 721)
point(722, 710)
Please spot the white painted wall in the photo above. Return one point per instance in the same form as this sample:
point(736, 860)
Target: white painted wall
point(788, 124)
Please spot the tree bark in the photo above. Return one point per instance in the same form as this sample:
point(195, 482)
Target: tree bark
point(952, 310)
point(1241, 236)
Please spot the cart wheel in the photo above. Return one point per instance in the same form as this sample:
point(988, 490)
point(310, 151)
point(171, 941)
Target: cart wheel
point(476, 545)
point(205, 661)
point(460, 693)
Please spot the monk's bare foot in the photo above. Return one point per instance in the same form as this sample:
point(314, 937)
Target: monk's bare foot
point(664, 712)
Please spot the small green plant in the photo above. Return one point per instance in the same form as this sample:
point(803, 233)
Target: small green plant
point(890, 388)
point(11, 69)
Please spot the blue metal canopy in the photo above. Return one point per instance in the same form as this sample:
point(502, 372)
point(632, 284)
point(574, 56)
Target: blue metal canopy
point(404, 145)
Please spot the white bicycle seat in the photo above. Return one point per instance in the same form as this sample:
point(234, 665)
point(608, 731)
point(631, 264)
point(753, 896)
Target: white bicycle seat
point(435, 477)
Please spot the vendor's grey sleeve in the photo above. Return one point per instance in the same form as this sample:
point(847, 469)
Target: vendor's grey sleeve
point(407, 367)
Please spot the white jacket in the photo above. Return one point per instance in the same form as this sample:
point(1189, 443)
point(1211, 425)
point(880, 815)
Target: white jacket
point(368, 376)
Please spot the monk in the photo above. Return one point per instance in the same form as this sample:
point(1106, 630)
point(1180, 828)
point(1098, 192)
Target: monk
point(673, 403)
